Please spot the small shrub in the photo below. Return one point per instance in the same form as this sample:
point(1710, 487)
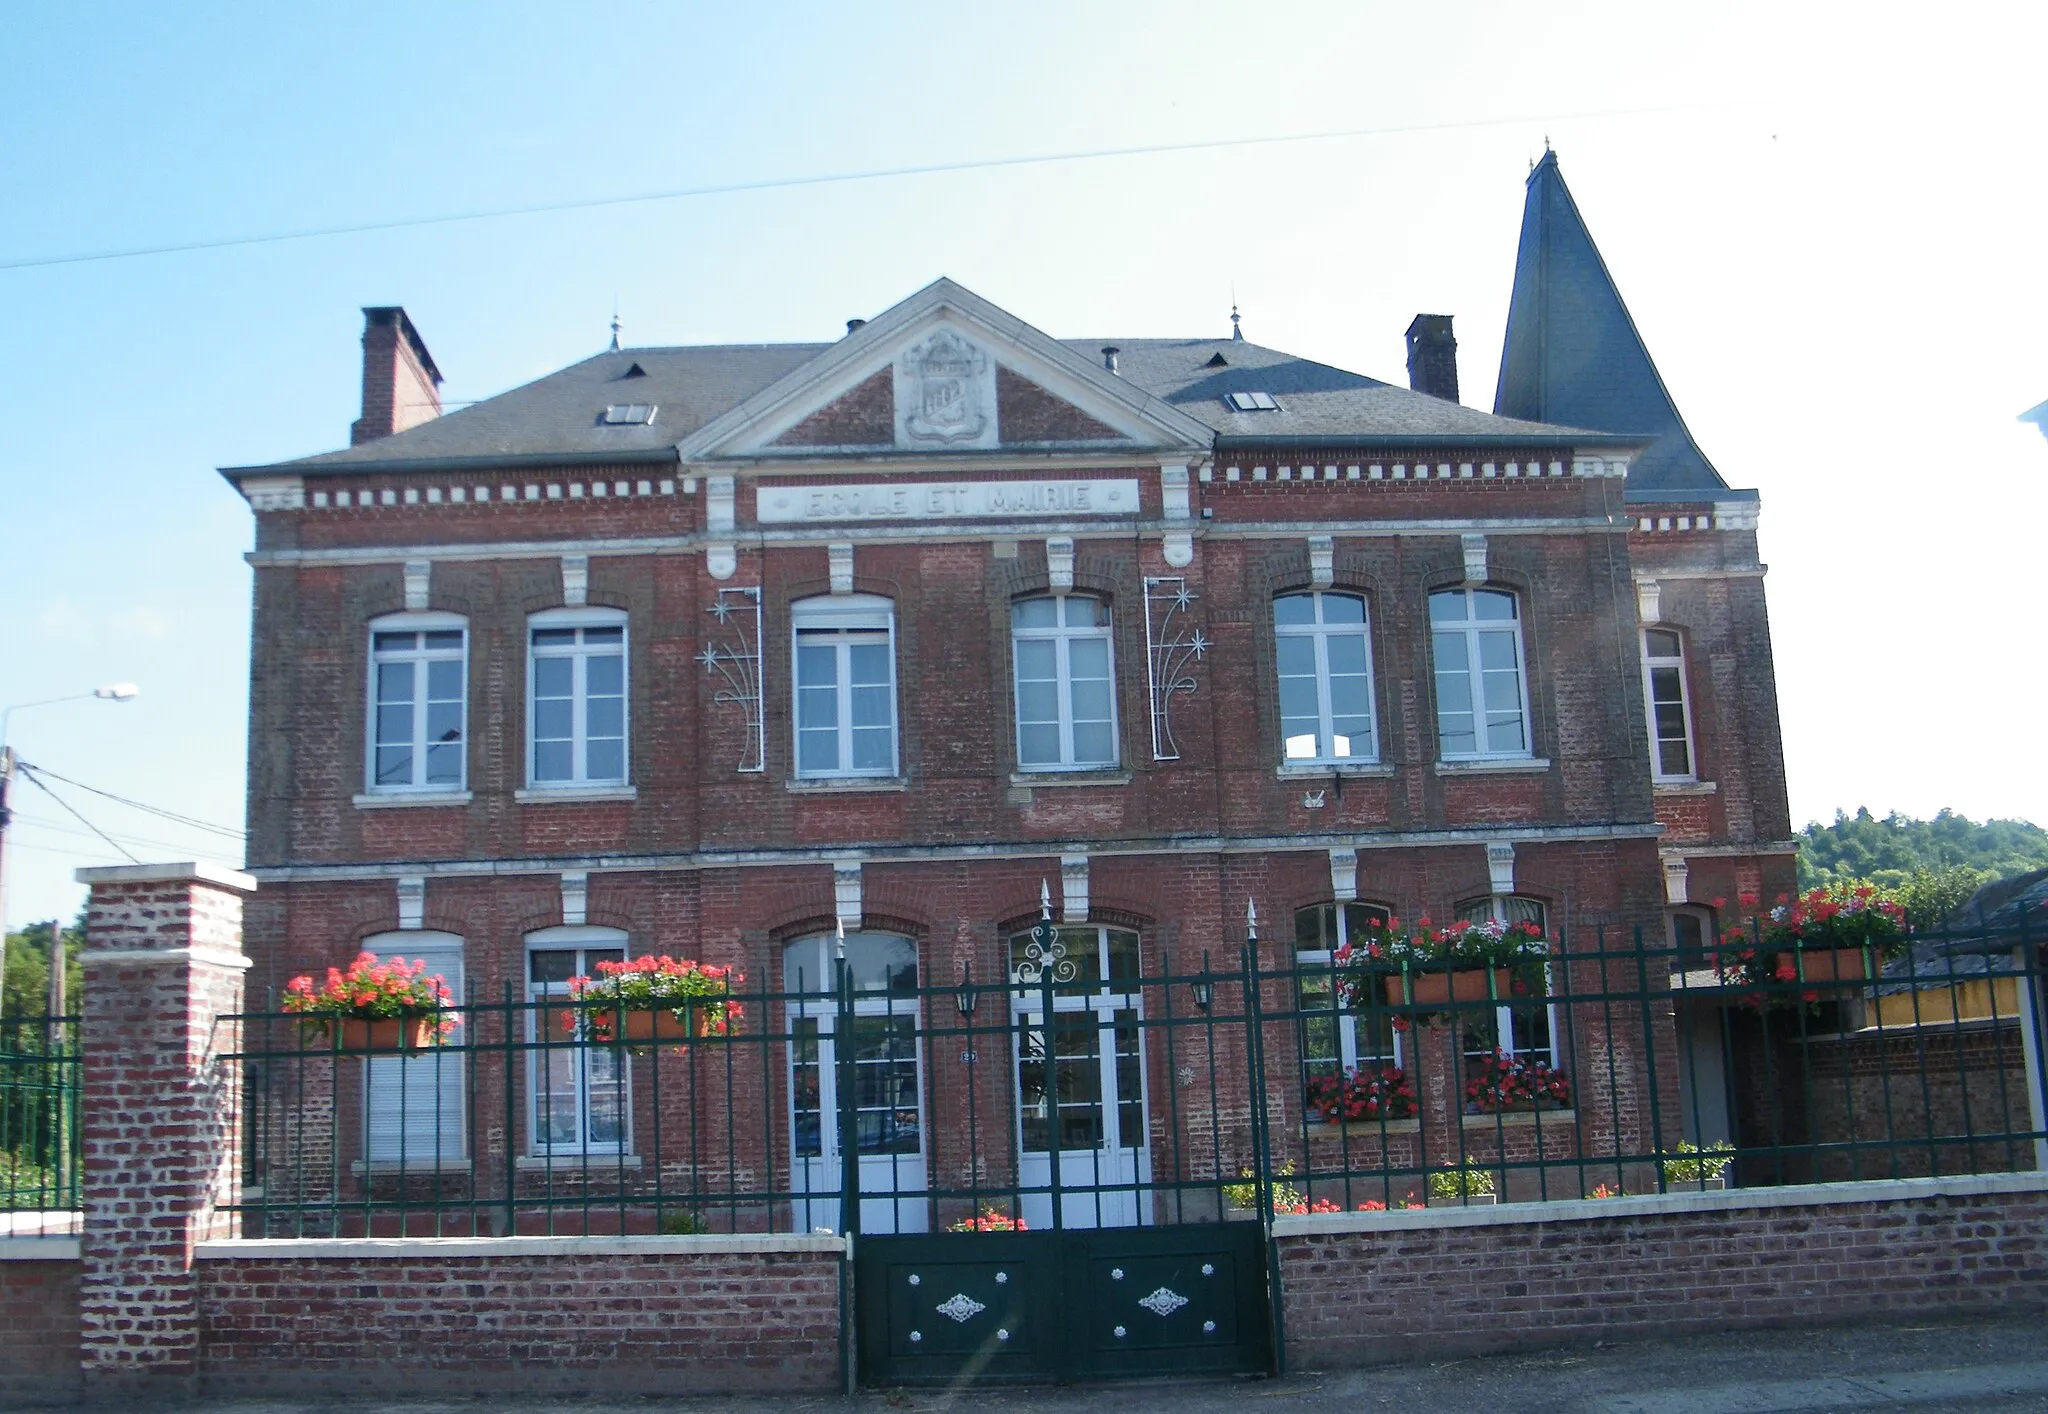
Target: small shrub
point(1466, 1182)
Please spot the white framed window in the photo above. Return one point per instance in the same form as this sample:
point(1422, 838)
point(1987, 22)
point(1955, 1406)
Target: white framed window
point(1482, 692)
point(576, 698)
point(1335, 1039)
point(1520, 1028)
point(579, 1094)
point(1664, 693)
point(413, 1114)
point(1322, 647)
point(419, 668)
point(1066, 698)
point(845, 685)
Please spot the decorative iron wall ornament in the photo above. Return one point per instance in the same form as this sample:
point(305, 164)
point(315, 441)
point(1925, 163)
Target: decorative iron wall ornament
point(737, 660)
point(1172, 646)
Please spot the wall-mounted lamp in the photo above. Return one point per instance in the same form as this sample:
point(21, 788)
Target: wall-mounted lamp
point(965, 997)
point(1204, 990)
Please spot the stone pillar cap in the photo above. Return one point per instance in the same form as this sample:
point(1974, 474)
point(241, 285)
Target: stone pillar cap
point(195, 871)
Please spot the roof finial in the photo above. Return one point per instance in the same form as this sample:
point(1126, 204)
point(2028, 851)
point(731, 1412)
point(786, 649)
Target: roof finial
point(1546, 142)
point(1236, 333)
point(615, 326)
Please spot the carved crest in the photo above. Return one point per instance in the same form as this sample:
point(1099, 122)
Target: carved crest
point(948, 390)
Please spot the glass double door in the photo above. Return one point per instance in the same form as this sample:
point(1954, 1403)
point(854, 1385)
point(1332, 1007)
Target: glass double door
point(1081, 1130)
point(887, 1075)
point(887, 1117)
point(1081, 1114)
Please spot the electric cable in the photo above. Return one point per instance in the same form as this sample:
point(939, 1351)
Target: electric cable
point(829, 179)
point(28, 774)
point(173, 816)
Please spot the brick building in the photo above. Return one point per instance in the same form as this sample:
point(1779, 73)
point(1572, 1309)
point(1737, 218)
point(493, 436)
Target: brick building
point(715, 651)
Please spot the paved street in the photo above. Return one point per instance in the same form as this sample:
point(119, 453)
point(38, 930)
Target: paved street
point(1993, 1366)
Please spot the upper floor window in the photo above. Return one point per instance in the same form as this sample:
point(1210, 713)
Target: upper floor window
point(576, 717)
point(845, 683)
point(1671, 756)
point(1066, 708)
point(418, 671)
point(1324, 651)
point(1482, 695)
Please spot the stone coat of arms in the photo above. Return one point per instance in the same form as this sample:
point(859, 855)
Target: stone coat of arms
point(944, 391)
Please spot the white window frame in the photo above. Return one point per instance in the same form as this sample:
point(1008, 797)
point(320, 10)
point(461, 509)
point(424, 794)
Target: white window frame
point(1063, 637)
point(1495, 907)
point(419, 658)
point(1319, 635)
point(580, 654)
point(849, 619)
point(441, 1072)
point(545, 1001)
point(1472, 629)
point(1323, 961)
point(1676, 663)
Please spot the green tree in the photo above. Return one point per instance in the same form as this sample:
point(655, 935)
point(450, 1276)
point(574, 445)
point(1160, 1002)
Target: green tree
point(25, 989)
point(1935, 864)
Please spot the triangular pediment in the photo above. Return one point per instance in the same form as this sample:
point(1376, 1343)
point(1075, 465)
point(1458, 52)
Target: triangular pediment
point(945, 372)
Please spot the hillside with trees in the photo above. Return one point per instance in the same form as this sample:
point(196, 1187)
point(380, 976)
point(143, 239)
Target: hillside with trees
point(1930, 865)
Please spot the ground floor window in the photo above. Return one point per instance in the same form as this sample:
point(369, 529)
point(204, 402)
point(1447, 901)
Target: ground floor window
point(1337, 1040)
point(579, 1100)
point(1522, 1028)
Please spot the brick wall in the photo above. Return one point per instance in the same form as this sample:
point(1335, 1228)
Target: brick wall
point(1366, 1289)
point(38, 1328)
point(668, 1316)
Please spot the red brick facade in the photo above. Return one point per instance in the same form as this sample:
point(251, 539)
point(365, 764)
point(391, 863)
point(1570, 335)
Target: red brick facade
point(38, 1327)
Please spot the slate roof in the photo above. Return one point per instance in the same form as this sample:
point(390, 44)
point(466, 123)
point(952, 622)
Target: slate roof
point(1573, 354)
point(557, 419)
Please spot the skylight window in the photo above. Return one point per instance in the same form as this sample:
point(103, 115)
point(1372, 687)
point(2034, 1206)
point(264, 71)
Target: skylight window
point(1251, 402)
point(627, 414)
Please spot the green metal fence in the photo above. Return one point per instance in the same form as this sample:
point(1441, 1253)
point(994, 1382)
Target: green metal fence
point(1159, 1088)
point(39, 1164)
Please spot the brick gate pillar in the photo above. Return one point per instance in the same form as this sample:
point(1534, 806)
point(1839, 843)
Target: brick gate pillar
point(163, 962)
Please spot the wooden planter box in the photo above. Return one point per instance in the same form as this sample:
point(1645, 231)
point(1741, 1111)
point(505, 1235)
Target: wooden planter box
point(360, 1036)
point(1466, 984)
point(1833, 964)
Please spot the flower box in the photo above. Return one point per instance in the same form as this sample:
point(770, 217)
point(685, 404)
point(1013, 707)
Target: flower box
point(355, 1035)
point(1832, 964)
point(1465, 984)
point(643, 1026)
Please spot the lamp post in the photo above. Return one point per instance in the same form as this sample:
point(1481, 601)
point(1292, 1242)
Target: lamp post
point(112, 692)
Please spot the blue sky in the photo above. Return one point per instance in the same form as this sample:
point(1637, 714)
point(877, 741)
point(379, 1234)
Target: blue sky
point(1828, 235)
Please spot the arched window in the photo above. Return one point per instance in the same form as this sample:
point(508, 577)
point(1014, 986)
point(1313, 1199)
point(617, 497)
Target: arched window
point(1521, 1028)
point(845, 685)
point(576, 702)
point(1066, 698)
point(418, 703)
point(1323, 649)
point(579, 1102)
point(1335, 1039)
point(1664, 694)
point(1482, 693)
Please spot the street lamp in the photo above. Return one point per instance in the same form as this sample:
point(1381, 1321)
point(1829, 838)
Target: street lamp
point(112, 692)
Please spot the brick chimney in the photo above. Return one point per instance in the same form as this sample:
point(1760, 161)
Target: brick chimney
point(401, 386)
point(1433, 357)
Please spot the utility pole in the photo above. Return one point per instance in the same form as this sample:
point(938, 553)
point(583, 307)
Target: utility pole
point(6, 814)
point(56, 968)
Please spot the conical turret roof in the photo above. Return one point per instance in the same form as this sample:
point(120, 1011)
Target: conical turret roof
point(1573, 355)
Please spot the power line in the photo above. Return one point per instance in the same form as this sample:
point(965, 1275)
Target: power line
point(173, 816)
point(44, 823)
point(28, 774)
point(829, 179)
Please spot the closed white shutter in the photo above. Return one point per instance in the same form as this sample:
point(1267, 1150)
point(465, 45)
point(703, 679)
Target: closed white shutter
point(413, 1106)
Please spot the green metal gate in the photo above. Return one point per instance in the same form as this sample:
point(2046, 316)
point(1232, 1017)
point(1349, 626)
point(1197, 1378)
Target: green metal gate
point(1074, 1305)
